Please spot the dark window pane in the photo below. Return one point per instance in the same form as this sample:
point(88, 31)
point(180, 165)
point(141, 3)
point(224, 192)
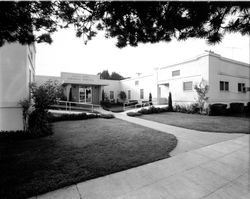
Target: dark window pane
point(226, 86)
point(221, 85)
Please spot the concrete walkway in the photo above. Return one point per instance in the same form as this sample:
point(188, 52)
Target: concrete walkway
point(204, 165)
point(187, 139)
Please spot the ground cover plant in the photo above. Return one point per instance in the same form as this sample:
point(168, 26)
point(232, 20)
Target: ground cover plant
point(226, 124)
point(77, 151)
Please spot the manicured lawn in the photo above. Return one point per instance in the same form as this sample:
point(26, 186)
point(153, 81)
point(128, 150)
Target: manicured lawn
point(78, 151)
point(202, 122)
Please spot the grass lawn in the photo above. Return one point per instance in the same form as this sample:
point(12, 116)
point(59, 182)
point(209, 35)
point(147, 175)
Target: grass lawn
point(202, 122)
point(78, 151)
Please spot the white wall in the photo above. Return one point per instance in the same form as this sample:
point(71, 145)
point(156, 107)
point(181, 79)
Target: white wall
point(111, 85)
point(146, 82)
point(192, 70)
point(234, 72)
point(14, 83)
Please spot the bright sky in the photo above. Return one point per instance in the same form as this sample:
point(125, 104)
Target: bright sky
point(69, 54)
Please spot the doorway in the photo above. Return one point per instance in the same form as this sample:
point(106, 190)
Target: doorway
point(85, 94)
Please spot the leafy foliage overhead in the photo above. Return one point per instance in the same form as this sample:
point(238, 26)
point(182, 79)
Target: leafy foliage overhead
point(130, 22)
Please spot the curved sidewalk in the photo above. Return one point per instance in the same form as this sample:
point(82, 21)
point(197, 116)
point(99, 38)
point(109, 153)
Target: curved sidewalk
point(187, 139)
point(204, 166)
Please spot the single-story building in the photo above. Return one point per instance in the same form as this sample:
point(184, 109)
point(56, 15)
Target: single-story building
point(228, 82)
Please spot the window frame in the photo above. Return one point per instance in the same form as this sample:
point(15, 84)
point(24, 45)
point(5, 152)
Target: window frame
point(113, 95)
point(224, 86)
point(178, 73)
point(141, 93)
point(129, 94)
point(184, 88)
point(241, 87)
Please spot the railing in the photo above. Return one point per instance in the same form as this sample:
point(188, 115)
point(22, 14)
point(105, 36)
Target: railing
point(141, 104)
point(68, 105)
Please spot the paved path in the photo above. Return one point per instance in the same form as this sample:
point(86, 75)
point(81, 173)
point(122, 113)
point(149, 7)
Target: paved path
point(204, 166)
point(187, 139)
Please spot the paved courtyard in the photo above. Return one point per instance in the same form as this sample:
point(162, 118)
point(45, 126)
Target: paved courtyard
point(204, 165)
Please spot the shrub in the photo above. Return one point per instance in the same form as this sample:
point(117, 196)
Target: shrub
point(170, 105)
point(195, 108)
point(236, 108)
point(247, 109)
point(153, 109)
point(192, 108)
point(68, 117)
point(133, 114)
point(218, 109)
point(107, 116)
point(105, 104)
point(122, 95)
point(17, 135)
point(38, 123)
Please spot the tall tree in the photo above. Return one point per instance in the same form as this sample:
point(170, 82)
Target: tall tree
point(104, 74)
point(116, 76)
point(130, 22)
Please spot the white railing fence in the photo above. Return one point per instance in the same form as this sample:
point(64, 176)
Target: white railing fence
point(69, 105)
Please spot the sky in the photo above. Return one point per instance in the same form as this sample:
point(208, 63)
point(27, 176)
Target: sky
point(68, 53)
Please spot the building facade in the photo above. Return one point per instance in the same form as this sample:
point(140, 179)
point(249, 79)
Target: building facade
point(17, 70)
point(228, 81)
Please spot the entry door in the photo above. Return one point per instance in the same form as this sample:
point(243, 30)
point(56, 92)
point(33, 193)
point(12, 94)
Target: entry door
point(85, 94)
point(88, 92)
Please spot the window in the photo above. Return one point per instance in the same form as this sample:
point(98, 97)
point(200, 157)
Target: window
point(224, 86)
point(141, 93)
point(188, 86)
point(241, 87)
point(175, 73)
point(136, 83)
point(129, 94)
point(111, 96)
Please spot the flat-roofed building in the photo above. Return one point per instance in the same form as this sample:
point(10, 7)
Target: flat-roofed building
point(17, 70)
point(228, 81)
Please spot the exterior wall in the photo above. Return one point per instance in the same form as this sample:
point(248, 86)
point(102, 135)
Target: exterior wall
point(210, 67)
point(95, 94)
point(222, 69)
point(75, 93)
point(112, 85)
point(17, 69)
point(147, 83)
point(192, 70)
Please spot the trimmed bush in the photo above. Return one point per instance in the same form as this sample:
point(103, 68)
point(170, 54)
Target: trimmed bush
point(68, 117)
point(236, 108)
point(18, 135)
point(133, 114)
point(153, 109)
point(218, 109)
point(107, 116)
point(247, 109)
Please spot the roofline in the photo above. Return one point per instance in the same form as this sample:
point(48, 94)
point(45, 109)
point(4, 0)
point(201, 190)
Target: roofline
point(209, 53)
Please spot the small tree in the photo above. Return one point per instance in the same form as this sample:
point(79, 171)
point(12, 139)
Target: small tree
point(170, 105)
point(202, 90)
point(103, 95)
point(122, 96)
point(150, 98)
point(43, 96)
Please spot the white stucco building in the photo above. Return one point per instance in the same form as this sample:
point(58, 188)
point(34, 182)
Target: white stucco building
point(17, 70)
point(228, 82)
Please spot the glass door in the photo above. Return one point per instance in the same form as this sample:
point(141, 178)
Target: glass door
point(82, 95)
point(85, 94)
point(88, 92)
